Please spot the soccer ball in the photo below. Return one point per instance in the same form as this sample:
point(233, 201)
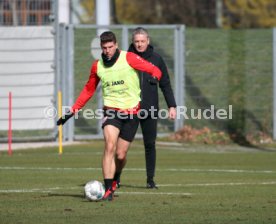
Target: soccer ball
point(94, 190)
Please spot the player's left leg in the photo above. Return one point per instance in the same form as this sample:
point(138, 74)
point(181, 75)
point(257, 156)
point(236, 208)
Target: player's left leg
point(111, 134)
point(111, 130)
point(126, 136)
point(120, 161)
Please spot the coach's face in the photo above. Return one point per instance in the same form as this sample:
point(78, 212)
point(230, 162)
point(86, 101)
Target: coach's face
point(140, 42)
point(109, 49)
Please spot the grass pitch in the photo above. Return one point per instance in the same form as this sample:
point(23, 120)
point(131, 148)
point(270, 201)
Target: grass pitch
point(196, 185)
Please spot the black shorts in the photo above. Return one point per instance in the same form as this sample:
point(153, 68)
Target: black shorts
point(126, 123)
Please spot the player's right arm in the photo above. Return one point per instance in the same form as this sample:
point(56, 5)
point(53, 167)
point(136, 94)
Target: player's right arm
point(86, 93)
point(88, 90)
point(138, 63)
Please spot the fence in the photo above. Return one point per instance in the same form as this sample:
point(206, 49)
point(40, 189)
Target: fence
point(221, 68)
point(224, 69)
point(84, 37)
point(27, 61)
point(232, 67)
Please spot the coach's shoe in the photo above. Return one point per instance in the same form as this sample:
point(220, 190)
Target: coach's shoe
point(108, 196)
point(151, 185)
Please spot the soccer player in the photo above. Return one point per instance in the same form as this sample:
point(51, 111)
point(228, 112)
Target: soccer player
point(121, 97)
point(149, 99)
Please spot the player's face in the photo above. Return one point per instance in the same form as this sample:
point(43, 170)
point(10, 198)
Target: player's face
point(140, 42)
point(109, 49)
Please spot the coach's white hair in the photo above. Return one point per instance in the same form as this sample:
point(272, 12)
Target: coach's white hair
point(140, 30)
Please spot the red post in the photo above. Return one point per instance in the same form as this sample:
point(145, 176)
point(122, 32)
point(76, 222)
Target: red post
point(10, 125)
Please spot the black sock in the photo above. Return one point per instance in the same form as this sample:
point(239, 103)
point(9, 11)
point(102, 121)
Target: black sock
point(117, 176)
point(108, 184)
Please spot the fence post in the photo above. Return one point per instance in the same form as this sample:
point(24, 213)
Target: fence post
point(56, 65)
point(63, 71)
point(70, 79)
point(274, 83)
point(125, 43)
point(179, 70)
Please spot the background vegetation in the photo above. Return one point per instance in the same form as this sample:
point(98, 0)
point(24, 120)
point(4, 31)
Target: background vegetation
point(192, 13)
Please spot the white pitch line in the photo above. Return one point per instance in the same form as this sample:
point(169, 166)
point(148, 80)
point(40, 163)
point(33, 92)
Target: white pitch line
point(221, 170)
point(52, 189)
point(216, 184)
point(47, 168)
point(36, 190)
point(140, 169)
point(24, 191)
point(154, 193)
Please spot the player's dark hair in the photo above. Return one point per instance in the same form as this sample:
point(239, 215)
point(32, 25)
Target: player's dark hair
point(108, 36)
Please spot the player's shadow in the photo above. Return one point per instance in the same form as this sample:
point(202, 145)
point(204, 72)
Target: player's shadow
point(79, 196)
point(132, 186)
point(124, 186)
point(65, 195)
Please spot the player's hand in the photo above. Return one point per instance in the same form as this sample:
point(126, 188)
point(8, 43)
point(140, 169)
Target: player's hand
point(64, 118)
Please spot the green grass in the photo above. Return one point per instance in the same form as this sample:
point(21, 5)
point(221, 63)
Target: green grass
point(197, 184)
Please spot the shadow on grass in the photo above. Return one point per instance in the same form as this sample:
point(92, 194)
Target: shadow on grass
point(132, 186)
point(66, 195)
point(79, 196)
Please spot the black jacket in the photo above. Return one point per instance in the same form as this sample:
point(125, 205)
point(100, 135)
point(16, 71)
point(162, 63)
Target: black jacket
point(149, 91)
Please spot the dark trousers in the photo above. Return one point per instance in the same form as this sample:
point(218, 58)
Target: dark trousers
point(149, 131)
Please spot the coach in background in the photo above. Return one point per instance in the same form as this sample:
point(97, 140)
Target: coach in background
point(149, 98)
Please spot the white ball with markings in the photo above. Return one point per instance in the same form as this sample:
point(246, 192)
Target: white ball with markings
point(94, 190)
